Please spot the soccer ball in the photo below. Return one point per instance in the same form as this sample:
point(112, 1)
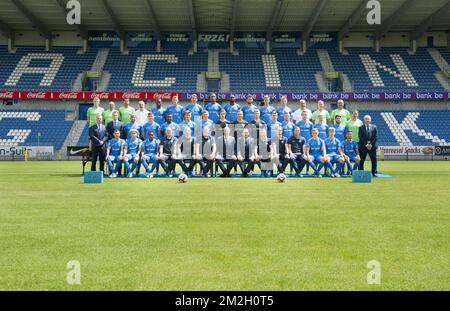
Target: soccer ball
point(182, 178)
point(281, 177)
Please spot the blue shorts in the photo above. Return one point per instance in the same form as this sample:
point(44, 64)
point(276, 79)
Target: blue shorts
point(114, 158)
point(130, 156)
point(149, 157)
point(317, 158)
point(351, 157)
point(334, 157)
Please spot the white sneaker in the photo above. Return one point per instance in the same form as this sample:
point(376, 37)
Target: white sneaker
point(111, 175)
point(150, 176)
point(337, 175)
point(130, 175)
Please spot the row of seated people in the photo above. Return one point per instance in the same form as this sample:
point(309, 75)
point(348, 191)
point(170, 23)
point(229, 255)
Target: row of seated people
point(249, 150)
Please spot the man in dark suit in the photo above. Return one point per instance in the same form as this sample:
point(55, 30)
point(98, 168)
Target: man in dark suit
point(114, 125)
point(99, 137)
point(368, 144)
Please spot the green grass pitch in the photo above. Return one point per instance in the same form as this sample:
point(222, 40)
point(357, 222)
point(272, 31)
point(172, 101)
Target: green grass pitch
point(224, 234)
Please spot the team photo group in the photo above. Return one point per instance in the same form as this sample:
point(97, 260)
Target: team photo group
point(229, 140)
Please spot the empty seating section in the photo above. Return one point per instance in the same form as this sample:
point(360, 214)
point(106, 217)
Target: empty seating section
point(84, 138)
point(31, 68)
point(285, 71)
point(390, 70)
point(24, 127)
point(172, 70)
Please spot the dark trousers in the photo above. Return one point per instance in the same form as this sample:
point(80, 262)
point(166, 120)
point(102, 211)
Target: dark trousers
point(230, 165)
point(166, 164)
point(248, 169)
point(298, 164)
point(206, 165)
point(373, 157)
point(98, 153)
point(182, 165)
point(282, 164)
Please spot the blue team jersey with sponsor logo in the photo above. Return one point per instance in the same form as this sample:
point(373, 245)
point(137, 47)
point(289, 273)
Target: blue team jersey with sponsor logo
point(131, 126)
point(175, 129)
point(214, 110)
point(196, 111)
point(159, 115)
point(340, 132)
point(154, 127)
point(315, 146)
point(350, 147)
point(332, 146)
point(272, 129)
point(190, 124)
point(266, 114)
point(305, 129)
point(323, 130)
point(281, 112)
point(151, 146)
point(176, 112)
point(232, 111)
point(133, 146)
point(248, 112)
point(288, 129)
point(115, 146)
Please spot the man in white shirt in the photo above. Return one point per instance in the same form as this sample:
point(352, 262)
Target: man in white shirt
point(141, 114)
point(297, 116)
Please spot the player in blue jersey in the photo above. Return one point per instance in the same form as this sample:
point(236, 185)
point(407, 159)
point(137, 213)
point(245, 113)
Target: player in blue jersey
point(151, 126)
point(187, 122)
point(213, 108)
point(273, 125)
point(266, 110)
point(132, 151)
point(175, 110)
point(283, 108)
point(114, 154)
point(133, 125)
point(150, 154)
point(159, 112)
point(341, 129)
point(288, 126)
point(322, 127)
point(249, 109)
point(195, 109)
point(232, 109)
point(169, 124)
point(315, 151)
point(335, 154)
point(351, 152)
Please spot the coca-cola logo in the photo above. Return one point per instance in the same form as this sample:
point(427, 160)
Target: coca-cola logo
point(104, 95)
point(71, 95)
point(163, 96)
point(135, 95)
point(6, 95)
point(36, 95)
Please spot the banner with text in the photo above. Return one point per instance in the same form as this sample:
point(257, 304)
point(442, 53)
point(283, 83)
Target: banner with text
point(103, 39)
point(323, 40)
point(213, 40)
point(176, 40)
point(143, 39)
point(87, 95)
point(249, 40)
point(286, 40)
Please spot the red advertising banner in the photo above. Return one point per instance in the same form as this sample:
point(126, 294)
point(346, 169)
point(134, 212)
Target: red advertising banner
point(87, 96)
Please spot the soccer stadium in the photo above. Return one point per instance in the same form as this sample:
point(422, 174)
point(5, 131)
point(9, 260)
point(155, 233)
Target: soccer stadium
point(179, 145)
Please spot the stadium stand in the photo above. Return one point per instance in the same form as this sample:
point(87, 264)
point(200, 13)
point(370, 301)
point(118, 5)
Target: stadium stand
point(391, 69)
point(31, 68)
point(21, 127)
point(173, 70)
point(251, 70)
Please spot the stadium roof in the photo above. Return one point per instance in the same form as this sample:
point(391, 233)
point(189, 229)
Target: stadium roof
point(45, 16)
